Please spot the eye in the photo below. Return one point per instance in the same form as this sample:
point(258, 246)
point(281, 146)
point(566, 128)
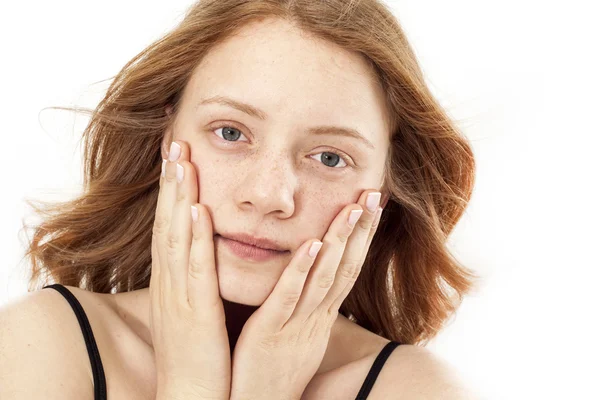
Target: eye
point(229, 132)
point(329, 158)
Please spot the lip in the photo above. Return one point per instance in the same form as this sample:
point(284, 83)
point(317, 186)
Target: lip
point(262, 243)
point(249, 252)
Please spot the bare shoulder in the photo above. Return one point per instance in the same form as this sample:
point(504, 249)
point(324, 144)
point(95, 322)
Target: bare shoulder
point(43, 355)
point(410, 372)
point(414, 372)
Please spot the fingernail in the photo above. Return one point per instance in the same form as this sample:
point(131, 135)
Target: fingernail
point(194, 213)
point(354, 216)
point(174, 152)
point(179, 173)
point(314, 249)
point(373, 201)
point(164, 164)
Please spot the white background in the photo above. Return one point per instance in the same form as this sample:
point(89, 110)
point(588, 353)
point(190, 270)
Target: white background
point(520, 78)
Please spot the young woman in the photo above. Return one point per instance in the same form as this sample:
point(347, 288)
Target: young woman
point(268, 192)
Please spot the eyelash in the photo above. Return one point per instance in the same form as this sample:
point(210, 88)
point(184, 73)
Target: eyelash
point(346, 159)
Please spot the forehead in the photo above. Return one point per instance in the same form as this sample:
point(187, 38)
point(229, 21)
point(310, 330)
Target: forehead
point(289, 74)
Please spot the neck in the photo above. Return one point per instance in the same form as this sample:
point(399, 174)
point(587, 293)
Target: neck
point(133, 308)
point(236, 315)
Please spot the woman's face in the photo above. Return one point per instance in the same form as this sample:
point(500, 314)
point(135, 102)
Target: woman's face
point(268, 175)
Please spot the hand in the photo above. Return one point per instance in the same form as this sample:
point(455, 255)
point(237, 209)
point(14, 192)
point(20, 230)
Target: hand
point(283, 343)
point(187, 320)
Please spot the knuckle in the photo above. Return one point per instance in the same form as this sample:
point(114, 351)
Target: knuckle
point(170, 177)
point(181, 195)
point(365, 224)
point(348, 270)
point(161, 224)
point(197, 238)
point(173, 241)
point(325, 281)
point(196, 266)
point(342, 237)
point(290, 299)
point(304, 267)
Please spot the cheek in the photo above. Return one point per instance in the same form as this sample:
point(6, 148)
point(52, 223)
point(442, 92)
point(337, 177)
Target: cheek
point(213, 177)
point(321, 208)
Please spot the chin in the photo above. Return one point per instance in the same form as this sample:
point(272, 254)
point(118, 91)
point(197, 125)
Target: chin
point(245, 285)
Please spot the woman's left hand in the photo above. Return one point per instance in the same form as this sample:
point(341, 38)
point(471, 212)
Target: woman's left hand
point(283, 343)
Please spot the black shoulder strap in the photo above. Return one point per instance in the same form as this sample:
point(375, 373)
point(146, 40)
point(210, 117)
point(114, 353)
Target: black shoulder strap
point(90, 342)
point(375, 369)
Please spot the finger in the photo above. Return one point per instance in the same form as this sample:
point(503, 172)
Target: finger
point(322, 275)
point(340, 299)
point(155, 268)
point(282, 301)
point(372, 233)
point(155, 271)
point(160, 229)
point(155, 293)
point(352, 255)
point(202, 281)
point(156, 286)
point(163, 217)
point(180, 234)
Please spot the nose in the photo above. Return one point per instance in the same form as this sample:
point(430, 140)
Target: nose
point(268, 186)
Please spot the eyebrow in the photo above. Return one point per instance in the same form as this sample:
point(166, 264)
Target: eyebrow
point(257, 113)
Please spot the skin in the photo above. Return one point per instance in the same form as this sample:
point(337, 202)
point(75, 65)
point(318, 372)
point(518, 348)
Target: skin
point(281, 336)
point(276, 186)
point(270, 179)
point(270, 182)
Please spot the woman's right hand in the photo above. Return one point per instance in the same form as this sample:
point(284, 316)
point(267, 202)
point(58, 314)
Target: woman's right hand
point(187, 319)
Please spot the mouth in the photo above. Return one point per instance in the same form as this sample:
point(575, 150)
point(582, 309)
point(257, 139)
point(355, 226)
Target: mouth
point(258, 242)
point(247, 251)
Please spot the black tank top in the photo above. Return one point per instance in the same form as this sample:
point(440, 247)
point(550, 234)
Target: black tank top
point(98, 370)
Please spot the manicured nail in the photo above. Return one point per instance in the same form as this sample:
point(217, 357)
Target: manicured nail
point(194, 213)
point(164, 165)
point(174, 152)
point(179, 173)
point(354, 216)
point(373, 201)
point(314, 249)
